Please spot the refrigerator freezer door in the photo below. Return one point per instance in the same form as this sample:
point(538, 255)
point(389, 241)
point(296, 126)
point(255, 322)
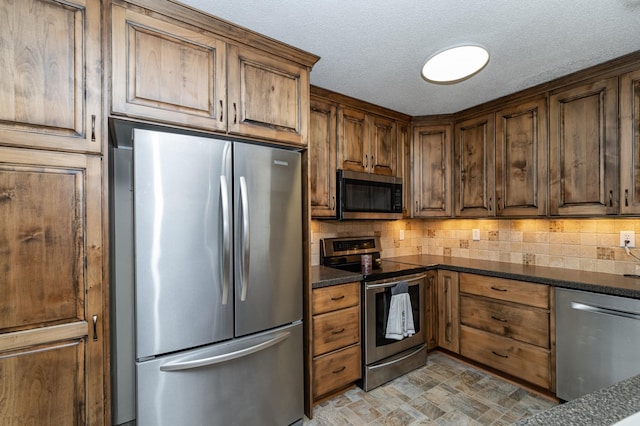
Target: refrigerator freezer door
point(268, 244)
point(183, 241)
point(248, 381)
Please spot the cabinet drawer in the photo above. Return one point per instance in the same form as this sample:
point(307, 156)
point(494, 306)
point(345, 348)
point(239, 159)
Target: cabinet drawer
point(527, 362)
point(335, 330)
point(529, 325)
point(510, 290)
point(335, 370)
point(327, 299)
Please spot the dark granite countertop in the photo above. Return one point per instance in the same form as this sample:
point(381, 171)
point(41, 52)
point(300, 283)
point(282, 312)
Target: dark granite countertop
point(612, 284)
point(322, 276)
point(602, 407)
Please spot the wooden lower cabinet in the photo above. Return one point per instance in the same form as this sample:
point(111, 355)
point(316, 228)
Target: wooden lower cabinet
point(448, 311)
point(527, 362)
point(507, 325)
point(336, 370)
point(432, 310)
point(52, 327)
point(336, 338)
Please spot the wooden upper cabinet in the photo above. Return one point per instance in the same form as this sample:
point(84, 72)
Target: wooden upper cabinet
point(630, 143)
point(521, 159)
point(322, 158)
point(165, 70)
point(383, 146)
point(583, 154)
point(169, 70)
point(51, 347)
point(431, 172)
point(474, 167)
point(268, 97)
point(353, 140)
point(50, 82)
point(367, 143)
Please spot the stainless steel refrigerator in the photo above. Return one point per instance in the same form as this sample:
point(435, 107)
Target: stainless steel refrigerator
point(206, 280)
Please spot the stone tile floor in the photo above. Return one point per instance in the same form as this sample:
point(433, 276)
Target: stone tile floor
point(444, 392)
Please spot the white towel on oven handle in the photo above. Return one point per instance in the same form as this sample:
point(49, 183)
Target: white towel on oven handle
point(400, 320)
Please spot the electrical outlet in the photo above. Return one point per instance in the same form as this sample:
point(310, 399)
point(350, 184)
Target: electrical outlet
point(629, 236)
point(402, 235)
point(475, 234)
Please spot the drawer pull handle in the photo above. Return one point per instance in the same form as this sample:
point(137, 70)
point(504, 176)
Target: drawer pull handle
point(500, 355)
point(498, 288)
point(498, 319)
point(339, 370)
point(338, 331)
point(337, 297)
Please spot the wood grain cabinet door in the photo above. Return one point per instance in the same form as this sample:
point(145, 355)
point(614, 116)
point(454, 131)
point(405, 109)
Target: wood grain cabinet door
point(474, 167)
point(166, 71)
point(353, 140)
point(322, 158)
point(268, 97)
point(583, 153)
point(431, 171)
point(521, 159)
point(630, 143)
point(448, 311)
point(52, 329)
point(50, 84)
point(383, 146)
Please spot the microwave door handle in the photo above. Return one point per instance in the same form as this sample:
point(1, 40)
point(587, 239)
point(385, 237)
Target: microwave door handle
point(226, 239)
point(245, 241)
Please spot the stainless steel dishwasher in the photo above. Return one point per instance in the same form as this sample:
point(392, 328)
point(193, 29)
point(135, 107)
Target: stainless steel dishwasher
point(597, 341)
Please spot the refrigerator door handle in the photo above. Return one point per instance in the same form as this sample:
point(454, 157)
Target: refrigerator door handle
point(226, 239)
point(244, 278)
point(218, 359)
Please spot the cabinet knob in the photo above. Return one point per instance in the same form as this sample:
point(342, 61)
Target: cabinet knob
point(93, 128)
point(95, 328)
point(626, 198)
point(610, 198)
point(221, 112)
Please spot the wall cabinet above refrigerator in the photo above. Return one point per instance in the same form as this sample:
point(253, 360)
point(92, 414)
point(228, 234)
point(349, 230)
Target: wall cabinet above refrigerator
point(173, 66)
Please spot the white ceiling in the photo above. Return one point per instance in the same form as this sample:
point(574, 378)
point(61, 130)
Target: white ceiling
point(374, 49)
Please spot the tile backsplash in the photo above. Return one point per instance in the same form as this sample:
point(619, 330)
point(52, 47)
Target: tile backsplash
point(584, 244)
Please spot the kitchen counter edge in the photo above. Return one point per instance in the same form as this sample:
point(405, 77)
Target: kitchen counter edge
point(597, 282)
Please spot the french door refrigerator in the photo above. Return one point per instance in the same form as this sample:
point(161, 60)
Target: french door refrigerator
point(207, 277)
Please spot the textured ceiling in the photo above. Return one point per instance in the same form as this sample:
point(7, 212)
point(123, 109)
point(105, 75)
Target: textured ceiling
point(373, 49)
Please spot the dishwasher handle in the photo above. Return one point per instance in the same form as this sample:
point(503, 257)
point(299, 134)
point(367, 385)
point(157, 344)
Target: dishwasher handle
point(604, 311)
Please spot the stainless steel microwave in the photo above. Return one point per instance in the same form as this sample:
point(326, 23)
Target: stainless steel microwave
point(368, 196)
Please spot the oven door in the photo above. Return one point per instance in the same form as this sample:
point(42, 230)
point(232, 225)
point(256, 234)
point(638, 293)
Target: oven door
point(376, 313)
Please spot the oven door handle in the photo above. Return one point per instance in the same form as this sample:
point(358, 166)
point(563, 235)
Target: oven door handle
point(392, 284)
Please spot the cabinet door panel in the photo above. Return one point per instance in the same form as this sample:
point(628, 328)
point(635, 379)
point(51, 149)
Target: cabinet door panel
point(322, 158)
point(448, 311)
point(384, 146)
point(43, 385)
point(630, 143)
point(432, 176)
point(353, 140)
point(474, 162)
point(583, 151)
point(167, 72)
point(521, 135)
point(51, 286)
point(268, 98)
point(50, 86)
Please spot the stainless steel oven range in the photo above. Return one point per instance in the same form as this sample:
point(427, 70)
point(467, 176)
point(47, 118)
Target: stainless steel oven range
point(383, 358)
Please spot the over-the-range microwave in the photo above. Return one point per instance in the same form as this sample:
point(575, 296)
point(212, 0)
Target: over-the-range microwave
point(368, 196)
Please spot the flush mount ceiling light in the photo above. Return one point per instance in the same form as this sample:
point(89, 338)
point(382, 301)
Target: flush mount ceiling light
point(455, 64)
